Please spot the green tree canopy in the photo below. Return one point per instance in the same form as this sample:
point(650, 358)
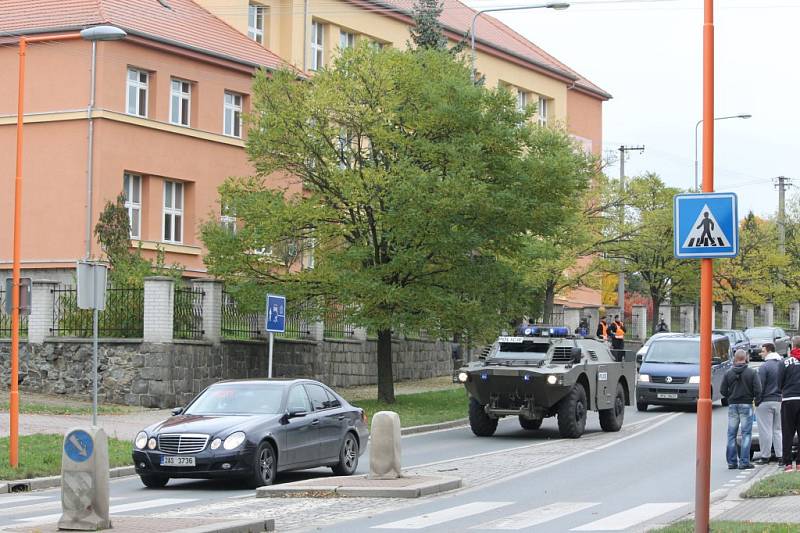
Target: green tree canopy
point(414, 181)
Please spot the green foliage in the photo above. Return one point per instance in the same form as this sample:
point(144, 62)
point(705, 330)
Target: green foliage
point(728, 526)
point(423, 407)
point(427, 32)
point(782, 484)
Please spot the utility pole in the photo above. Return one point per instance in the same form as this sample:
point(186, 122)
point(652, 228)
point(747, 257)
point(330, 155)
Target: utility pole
point(621, 285)
point(782, 185)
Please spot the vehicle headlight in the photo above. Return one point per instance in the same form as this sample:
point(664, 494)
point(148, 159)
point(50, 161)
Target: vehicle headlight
point(215, 443)
point(463, 377)
point(551, 379)
point(694, 379)
point(141, 440)
point(644, 378)
point(152, 443)
point(233, 440)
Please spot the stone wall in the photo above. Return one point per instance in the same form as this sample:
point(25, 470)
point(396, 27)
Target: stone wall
point(169, 374)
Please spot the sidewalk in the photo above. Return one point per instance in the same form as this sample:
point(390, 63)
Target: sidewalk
point(779, 509)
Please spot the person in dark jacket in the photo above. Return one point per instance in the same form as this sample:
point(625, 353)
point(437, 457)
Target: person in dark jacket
point(790, 403)
point(768, 413)
point(741, 387)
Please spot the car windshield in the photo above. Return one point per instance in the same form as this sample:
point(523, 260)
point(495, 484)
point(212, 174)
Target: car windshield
point(676, 352)
point(521, 350)
point(730, 334)
point(759, 333)
point(239, 399)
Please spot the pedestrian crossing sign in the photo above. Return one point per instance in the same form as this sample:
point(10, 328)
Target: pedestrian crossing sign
point(706, 225)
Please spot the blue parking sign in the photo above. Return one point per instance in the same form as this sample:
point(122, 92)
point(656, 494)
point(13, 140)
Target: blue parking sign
point(706, 225)
point(276, 313)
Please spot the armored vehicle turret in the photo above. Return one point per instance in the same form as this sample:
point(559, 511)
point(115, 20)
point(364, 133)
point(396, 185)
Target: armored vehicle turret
point(544, 371)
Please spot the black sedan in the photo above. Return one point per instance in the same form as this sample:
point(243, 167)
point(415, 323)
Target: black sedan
point(253, 429)
point(758, 336)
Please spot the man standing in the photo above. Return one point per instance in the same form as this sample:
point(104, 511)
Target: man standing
point(741, 387)
point(790, 405)
point(602, 329)
point(768, 413)
point(617, 333)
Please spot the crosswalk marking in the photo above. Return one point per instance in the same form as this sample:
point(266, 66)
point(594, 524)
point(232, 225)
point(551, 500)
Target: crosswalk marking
point(445, 515)
point(630, 517)
point(537, 516)
point(20, 500)
point(125, 508)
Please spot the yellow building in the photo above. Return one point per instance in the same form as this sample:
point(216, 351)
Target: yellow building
point(307, 34)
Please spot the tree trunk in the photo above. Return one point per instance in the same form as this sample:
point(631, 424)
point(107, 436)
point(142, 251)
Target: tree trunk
point(549, 297)
point(385, 377)
point(655, 318)
point(734, 313)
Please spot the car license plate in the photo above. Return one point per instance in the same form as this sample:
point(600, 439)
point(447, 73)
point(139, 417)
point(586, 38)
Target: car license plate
point(668, 396)
point(172, 460)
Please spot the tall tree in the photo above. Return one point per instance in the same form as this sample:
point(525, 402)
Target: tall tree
point(414, 181)
point(427, 32)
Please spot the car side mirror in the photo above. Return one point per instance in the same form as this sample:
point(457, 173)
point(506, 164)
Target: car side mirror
point(297, 413)
point(577, 354)
point(176, 411)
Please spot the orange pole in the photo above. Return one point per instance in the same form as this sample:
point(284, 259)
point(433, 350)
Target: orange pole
point(703, 466)
point(13, 441)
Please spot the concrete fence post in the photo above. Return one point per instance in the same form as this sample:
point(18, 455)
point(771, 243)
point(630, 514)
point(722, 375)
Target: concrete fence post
point(212, 308)
point(40, 320)
point(592, 313)
point(727, 316)
point(572, 318)
point(687, 318)
point(768, 314)
point(159, 309)
point(317, 330)
point(749, 317)
point(794, 316)
point(639, 325)
point(360, 334)
point(665, 312)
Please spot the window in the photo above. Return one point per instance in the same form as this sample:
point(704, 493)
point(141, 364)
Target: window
point(347, 40)
point(319, 398)
point(228, 219)
point(181, 95)
point(138, 81)
point(132, 190)
point(173, 211)
point(522, 100)
point(308, 254)
point(316, 46)
point(543, 110)
point(298, 400)
point(232, 114)
point(377, 45)
point(333, 401)
point(256, 15)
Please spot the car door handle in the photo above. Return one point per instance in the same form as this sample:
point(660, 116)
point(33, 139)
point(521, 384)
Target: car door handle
point(341, 417)
point(315, 422)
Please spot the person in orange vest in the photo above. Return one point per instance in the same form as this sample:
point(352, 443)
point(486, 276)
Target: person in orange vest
point(602, 329)
point(617, 332)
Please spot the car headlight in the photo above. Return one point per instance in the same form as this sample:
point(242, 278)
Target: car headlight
point(463, 377)
point(645, 378)
point(233, 440)
point(215, 443)
point(141, 440)
point(694, 379)
point(151, 443)
point(551, 379)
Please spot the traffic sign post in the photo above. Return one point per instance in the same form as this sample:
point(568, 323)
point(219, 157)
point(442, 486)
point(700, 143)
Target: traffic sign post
point(92, 279)
point(706, 225)
point(275, 317)
point(84, 480)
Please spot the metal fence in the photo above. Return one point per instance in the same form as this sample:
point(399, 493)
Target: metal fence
point(336, 326)
point(242, 325)
point(5, 319)
point(188, 313)
point(123, 316)
point(297, 325)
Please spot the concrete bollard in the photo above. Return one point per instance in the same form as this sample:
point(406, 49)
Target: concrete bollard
point(84, 480)
point(384, 452)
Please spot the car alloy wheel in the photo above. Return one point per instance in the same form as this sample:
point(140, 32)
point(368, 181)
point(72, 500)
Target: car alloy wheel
point(348, 456)
point(266, 463)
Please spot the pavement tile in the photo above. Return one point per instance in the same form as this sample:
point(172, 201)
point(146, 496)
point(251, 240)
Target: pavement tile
point(777, 509)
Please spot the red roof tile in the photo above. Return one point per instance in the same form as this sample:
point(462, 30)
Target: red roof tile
point(183, 23)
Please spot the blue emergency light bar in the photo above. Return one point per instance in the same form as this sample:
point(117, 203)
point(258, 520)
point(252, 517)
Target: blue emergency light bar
point(544, 331)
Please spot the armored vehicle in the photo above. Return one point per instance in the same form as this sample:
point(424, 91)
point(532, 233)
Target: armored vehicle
point(544, 371)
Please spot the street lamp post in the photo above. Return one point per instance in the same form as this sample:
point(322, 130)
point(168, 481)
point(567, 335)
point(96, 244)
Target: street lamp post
point(696, 183)
point(551, 5)
point(97, 33)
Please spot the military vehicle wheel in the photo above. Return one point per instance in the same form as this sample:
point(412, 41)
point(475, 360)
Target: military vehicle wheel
point(641, 406)
point(572, 413)
point(611, 419)
point(482, 425)
point(528, 423)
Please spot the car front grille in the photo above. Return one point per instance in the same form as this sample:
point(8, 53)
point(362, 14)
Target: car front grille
point(182, 443)
point(663, 379)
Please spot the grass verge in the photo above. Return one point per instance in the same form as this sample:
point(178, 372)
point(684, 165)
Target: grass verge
point(781, 484)
point(36, 408)
point(40, 455)
point(423, 407)
point(687, 526)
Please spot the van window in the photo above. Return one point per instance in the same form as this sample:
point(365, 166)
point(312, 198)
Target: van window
point(674, 352)
point(722, 347)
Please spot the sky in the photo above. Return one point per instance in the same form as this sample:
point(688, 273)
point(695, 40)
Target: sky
point(648, 55)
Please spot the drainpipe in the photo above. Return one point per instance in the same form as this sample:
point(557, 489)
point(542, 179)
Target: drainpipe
point(90, 155)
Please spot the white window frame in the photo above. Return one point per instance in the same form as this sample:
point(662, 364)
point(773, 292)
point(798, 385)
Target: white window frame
point(227, 219)
point(543, 110)
point(138, 86)
point(132, 183)
point(230, 127)
point(317, 45)
point(172, 211)
point(253, 30)
point(181, 95)
point(347, 39)
point(522, 99)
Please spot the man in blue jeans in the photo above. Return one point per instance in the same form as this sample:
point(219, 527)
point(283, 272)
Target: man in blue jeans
point(742, 388)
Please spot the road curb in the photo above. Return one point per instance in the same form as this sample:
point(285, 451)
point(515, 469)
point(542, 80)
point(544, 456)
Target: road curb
point(49, 482)
point(240, 526)
point(355, 487)
point(427, 428)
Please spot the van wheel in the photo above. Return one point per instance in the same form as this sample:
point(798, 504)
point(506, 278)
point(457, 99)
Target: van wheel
point(611, 419)
point(641, 406)
point(482, 425)
point(529, 423)
point(572, 413)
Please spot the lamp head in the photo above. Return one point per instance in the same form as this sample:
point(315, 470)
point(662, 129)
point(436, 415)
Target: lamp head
point(745, 116)
point(558, 6)
point(103, 33)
